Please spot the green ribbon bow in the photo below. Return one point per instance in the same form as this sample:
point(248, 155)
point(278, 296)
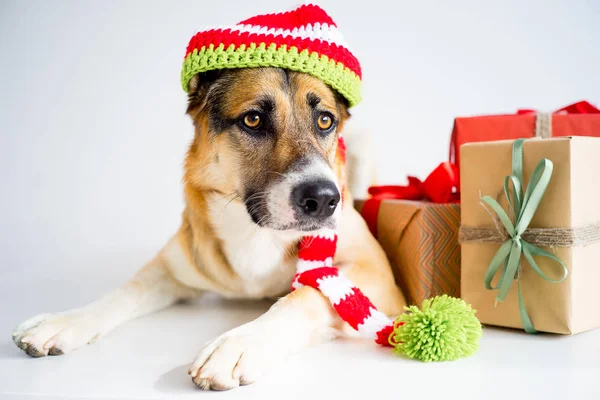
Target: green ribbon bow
point(523, 208)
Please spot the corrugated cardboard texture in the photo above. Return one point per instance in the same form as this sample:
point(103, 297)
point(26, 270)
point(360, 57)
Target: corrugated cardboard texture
point(421, 241)
point(568, 202)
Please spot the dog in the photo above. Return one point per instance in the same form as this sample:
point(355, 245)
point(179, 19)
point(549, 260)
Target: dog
point(260, 173)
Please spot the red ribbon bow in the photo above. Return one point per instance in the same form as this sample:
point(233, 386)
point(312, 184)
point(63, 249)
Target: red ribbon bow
point(581, 107)
point(441, 186)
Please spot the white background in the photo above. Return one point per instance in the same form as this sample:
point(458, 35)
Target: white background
point(93, 131)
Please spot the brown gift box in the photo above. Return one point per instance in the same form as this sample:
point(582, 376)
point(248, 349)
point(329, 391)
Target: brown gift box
point(572, 200)
point(420, 240)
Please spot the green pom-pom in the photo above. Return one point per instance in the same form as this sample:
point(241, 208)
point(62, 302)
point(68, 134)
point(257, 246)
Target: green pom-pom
point(444, 329)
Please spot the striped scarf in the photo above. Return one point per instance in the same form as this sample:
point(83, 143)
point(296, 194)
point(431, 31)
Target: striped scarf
point(315, 269)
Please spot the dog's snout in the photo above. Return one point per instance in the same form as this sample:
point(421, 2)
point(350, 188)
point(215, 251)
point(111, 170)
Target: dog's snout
point(316, 199)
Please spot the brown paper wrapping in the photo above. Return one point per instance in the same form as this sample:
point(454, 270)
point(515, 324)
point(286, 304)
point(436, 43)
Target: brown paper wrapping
point(420, 240)
point(571, 200)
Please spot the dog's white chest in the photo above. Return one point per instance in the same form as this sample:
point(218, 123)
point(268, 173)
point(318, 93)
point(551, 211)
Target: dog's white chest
point(257, 255)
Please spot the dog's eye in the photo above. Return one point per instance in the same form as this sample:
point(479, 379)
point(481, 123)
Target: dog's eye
point(252, 120)
point(325, 121)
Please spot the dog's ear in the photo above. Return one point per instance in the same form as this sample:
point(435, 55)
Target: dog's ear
point(198, 89)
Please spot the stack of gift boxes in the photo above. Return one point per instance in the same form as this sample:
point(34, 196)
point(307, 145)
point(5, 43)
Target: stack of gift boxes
point(510, 223)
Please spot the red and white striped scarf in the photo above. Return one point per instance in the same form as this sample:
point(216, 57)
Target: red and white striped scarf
point(315, 269)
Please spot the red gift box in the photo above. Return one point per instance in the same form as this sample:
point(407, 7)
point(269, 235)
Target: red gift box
point(578, 119)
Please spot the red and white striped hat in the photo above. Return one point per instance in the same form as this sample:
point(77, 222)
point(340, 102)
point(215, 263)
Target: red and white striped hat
point(304, 39)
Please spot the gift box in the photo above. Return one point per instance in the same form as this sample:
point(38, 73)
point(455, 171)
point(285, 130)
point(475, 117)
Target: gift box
point(419, 236)
point(420, 240)
point(578, 119)
point(530, 233)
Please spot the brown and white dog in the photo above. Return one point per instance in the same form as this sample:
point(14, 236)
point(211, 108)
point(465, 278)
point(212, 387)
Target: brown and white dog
point(261, 173)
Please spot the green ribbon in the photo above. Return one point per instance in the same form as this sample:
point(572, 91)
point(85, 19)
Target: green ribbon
point(523, 208)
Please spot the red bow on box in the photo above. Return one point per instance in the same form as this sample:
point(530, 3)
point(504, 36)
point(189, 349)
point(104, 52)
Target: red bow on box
point(439, 187)
point(581, 107)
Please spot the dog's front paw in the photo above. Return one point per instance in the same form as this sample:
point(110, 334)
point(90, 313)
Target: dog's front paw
point(54, 334)
point(236, 358)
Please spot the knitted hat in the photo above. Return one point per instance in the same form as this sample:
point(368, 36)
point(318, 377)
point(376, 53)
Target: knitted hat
point(304, 39)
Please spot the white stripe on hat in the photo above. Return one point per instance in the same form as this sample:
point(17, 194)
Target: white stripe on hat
point(324, 32)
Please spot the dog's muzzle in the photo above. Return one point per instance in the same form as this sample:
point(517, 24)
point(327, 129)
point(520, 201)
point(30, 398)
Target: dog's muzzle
point(305, 198)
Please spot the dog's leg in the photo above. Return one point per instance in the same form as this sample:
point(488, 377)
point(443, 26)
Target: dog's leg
point(302, 318)
point(151, 289)
point(240, 355)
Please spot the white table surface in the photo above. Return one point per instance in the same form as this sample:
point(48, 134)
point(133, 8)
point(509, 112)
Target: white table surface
point(148, 358)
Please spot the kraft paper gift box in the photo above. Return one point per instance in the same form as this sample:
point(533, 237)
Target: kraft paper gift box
point(578, 119)
point(420, 240)
point(564, 228)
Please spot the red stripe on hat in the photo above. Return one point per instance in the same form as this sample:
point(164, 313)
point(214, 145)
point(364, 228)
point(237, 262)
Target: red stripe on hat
point(354, 308)
point(226, 37)
point(305, 14)
point(313, 248)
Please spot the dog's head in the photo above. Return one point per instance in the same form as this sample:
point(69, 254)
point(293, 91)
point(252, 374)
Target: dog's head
point(268, 137)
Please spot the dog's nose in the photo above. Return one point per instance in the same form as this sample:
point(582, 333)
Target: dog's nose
point(316, 199)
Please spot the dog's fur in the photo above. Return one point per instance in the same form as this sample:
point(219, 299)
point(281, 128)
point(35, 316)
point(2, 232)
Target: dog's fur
point(239, 233)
